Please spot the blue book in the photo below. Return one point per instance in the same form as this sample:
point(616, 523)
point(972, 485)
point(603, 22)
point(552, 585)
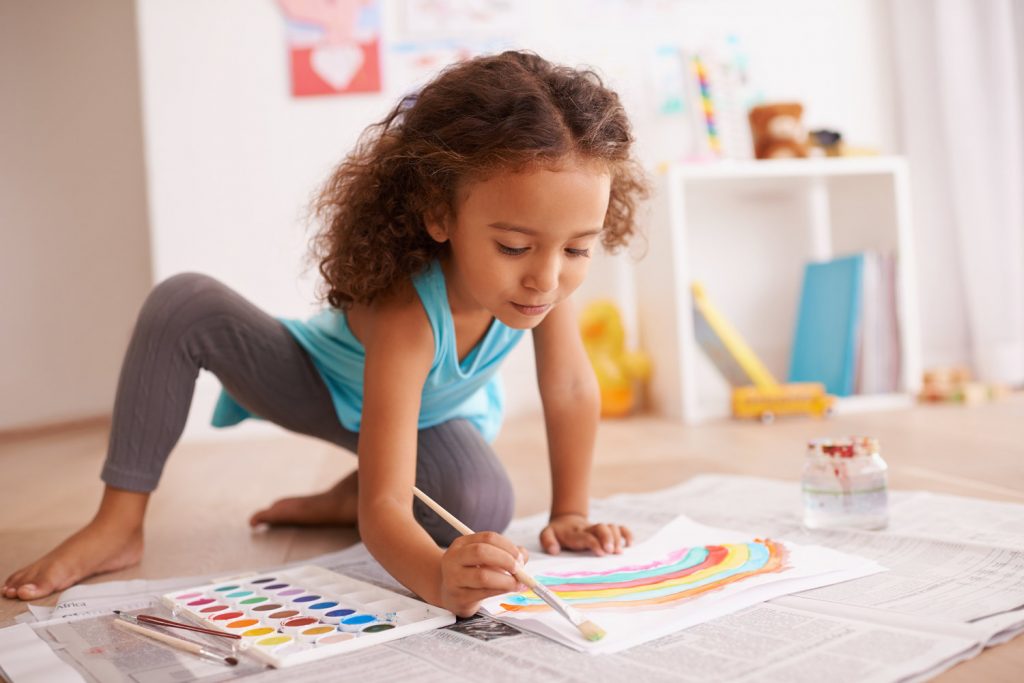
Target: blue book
point(825, 343)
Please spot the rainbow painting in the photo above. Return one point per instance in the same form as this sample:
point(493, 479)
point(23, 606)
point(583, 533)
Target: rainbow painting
point(675, 577)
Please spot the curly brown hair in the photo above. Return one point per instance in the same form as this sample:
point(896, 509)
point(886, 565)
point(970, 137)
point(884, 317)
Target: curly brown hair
point(503, 112)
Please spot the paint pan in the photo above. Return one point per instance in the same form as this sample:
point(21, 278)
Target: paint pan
point(227, 616)
point(356, 622)
point(335, 638)
point(275, 618)
point(238, 595)
point(198, 602)
point(212, 609)
point(315, 633)
point(336, 615)
point(259, 632)
point(249, 604)
point(262, 581)
point(188, 596)
point(306, 600)
point(289, 593)
point(377, 628)
point(273, 588)
point(274, 643)
point(298, 624)
point(266, 608)
point(241, 625)
point(318, 609)
point(227, 588)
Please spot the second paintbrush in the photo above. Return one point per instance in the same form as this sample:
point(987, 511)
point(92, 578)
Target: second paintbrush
point(589, 629)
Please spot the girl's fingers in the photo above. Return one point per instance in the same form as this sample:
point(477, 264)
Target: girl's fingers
point(549, 541)
point(627, 535)
point(495, 539)
point(486, 579)
point(485, 554)
point(591, 541)
point(469, 595)
point(617, 536)
point(604, 536)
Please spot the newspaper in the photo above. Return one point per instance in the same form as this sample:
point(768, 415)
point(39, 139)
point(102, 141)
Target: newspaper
point(949, 593)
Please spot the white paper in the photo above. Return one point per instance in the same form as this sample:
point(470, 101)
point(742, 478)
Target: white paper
point(806, 567)
point(25, 658)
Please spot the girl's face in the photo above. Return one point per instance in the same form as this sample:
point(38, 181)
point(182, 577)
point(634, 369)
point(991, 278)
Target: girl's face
point(521, 242)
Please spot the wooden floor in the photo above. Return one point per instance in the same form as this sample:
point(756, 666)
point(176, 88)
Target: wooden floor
point(197, 524)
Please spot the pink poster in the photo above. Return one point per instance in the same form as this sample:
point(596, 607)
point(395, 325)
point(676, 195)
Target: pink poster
point(334, 46)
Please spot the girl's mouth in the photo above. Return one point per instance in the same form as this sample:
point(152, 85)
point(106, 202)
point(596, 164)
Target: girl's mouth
point(531, 310)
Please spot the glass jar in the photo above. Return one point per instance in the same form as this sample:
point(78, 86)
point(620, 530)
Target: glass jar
point(845, 484)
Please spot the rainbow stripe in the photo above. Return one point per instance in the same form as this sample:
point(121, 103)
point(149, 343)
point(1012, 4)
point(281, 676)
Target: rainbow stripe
point(681, 575)
point(707, 105)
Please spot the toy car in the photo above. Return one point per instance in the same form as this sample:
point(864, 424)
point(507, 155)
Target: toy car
point(765, 403)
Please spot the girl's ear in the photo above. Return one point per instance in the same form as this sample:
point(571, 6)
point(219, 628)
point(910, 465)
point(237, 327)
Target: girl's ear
point(437, 229)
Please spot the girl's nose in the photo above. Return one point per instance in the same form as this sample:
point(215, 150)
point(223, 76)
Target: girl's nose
point(543, 274)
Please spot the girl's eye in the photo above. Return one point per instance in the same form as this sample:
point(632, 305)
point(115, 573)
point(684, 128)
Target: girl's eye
point(511, 251)
point(584, 253)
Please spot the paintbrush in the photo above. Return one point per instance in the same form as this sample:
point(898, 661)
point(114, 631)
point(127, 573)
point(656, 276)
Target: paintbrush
point(167, 623)
point(124, 621)
point(589, 629)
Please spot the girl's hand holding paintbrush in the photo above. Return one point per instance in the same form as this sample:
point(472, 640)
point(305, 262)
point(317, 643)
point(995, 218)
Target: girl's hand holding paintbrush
point(476, 567)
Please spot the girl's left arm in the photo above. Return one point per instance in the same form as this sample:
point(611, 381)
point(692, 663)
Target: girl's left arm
point(572, 405)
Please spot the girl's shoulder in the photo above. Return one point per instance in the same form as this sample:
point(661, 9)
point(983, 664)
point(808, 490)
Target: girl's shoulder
point(397, 313)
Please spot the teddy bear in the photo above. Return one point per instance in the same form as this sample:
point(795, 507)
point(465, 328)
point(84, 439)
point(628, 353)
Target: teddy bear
point(618, 371)
point(777, 131)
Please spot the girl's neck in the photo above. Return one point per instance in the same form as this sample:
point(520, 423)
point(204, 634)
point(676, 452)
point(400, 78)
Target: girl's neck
point(460, 302)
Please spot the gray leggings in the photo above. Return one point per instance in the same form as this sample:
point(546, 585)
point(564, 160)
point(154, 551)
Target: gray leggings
point(191, 322)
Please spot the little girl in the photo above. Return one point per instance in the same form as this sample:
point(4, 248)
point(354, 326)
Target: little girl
point(465, 217)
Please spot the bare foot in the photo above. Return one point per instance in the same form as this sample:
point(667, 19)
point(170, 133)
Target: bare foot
point(97, 548)
point(335, 507)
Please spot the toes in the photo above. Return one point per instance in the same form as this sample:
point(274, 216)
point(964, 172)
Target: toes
point(265, 516)
point(10, 589)
point(31, 591)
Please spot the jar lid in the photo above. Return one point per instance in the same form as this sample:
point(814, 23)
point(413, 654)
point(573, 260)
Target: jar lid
point(844, 447)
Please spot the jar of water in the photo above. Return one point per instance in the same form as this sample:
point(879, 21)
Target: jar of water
point(845, 484)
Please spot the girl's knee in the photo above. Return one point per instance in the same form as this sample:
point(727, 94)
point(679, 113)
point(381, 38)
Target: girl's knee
point(181, 287)
point(457, 468)
point(180, 298)
point(484, 502)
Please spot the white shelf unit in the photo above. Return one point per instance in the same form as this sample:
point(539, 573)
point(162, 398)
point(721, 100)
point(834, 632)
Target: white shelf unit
point(745, 229)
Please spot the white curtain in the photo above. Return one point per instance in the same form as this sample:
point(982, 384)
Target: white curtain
point(960, 83)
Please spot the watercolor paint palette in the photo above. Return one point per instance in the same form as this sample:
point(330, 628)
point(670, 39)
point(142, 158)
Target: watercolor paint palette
point(305, 613)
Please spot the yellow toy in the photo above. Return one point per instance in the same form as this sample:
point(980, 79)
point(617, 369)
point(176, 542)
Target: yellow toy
point(795, 398)
point(617, 370)
point(756, 393)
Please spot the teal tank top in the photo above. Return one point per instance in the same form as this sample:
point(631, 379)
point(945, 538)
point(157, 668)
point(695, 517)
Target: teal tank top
point(471, 389)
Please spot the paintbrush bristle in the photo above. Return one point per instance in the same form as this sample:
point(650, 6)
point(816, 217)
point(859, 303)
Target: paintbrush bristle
point(591, 631)
point(231, 661)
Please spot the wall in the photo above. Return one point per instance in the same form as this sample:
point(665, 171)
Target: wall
point(74, 260)
point(230, 159)
point(233, 159)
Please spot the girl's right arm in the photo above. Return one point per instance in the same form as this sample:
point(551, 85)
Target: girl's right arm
point(399, 347)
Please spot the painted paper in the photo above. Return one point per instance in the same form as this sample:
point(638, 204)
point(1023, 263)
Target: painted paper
point(685, 575)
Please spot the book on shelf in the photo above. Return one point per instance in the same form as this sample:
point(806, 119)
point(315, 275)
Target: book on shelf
point(847, 331)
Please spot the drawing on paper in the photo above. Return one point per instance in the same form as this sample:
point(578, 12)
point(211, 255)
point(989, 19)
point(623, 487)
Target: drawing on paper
point(681, 575)
point(334, 47)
